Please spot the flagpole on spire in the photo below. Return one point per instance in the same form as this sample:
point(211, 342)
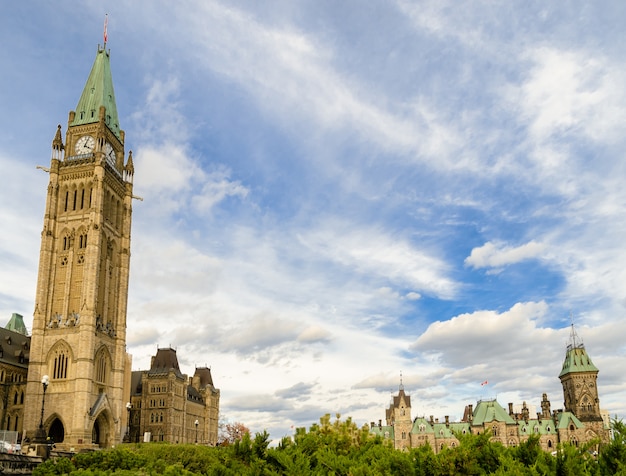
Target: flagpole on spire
point(106, 34)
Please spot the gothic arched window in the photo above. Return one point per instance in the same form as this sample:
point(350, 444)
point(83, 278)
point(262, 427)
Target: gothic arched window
point(102, 366)
point(60, 363)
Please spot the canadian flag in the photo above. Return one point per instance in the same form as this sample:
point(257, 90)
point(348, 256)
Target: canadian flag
point(484, 383)
point(106, 35)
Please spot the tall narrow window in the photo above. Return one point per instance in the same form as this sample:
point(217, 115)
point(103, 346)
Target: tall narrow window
point(82, 199)
point(60, 365)
point(75, 195)
point(67, 197)
point(101, 368)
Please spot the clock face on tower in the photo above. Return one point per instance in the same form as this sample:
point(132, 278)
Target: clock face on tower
point(109, 153)
point(85, 145)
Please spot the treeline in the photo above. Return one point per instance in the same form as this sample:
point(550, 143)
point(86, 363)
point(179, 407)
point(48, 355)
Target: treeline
point(341, 448)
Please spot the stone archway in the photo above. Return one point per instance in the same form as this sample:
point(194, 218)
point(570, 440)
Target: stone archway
point(100, 433)
point(56, 431)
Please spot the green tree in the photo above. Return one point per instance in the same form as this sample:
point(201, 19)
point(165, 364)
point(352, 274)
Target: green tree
point(612, 459)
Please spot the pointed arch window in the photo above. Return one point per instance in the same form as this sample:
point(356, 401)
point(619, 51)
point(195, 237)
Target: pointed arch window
point(102, 367)
point(60, 363)
point(82, 240)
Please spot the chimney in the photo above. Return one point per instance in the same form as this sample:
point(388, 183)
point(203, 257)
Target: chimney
point(510, 409)
point(447, 420)
point(432, 422)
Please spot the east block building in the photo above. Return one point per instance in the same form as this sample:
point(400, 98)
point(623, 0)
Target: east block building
point(78, 341)
point(580, 421)
point(167, 405)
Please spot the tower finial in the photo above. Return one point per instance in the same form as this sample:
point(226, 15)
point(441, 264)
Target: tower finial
point(575, 341)
point(401, 385)
point(106, 34)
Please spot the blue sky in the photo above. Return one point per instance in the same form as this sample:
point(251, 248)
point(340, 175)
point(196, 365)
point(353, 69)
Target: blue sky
point(335, 194)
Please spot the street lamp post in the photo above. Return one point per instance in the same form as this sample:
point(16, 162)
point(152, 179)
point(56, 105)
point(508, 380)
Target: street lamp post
point(196, 423)
point(41, 433)
point(127, 437)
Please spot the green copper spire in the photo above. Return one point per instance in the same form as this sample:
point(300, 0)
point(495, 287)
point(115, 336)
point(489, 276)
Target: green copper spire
point(98, 92)
point(16, 324)
point(576, 357)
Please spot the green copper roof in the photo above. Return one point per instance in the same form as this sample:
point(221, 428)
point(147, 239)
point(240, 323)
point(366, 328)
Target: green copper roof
point(16, 324)
point(577, 360)
point(564, 419)
point(384, 431)
point(490, 410)
point(98, 92)
point(536, 427)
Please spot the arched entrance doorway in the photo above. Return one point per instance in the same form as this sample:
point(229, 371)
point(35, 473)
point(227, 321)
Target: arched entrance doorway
point(57, 431)
point(100, 431)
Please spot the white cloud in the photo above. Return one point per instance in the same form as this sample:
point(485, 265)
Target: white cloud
point(314, 334)
point(496, 255)
point(373, 252)
point(216, 188)
point(165, 169)
point(572, 91)
point(484, 337)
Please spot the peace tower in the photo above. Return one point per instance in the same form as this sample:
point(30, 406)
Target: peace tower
point(79, 322)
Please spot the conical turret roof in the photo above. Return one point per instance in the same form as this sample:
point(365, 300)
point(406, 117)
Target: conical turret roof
point(576, 357)
point(98, 92)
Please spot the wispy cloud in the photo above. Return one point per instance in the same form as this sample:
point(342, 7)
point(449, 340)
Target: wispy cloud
point(497, 255)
